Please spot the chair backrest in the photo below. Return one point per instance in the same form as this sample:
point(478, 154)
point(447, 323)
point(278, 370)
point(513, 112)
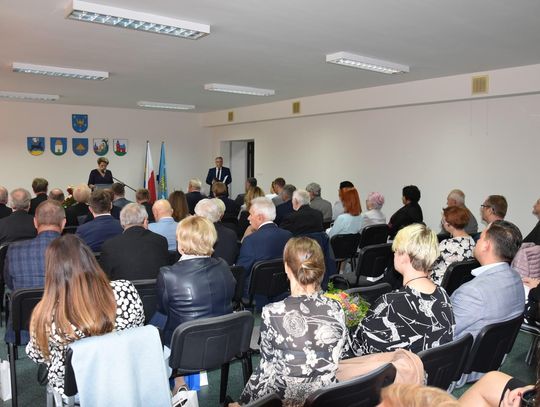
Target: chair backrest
point(374, 234)
point(148, 292)
point(270, 400)
point(445, 363)
point(345, 246)
point(173, 257)
point(208, 343)
point(373, 260)
point(363, 391)
point(268, 278)
point(370, 293)
point(458, 273)
point(491, 345)
point(22, 304)
point(443, 236)
point(3, 254)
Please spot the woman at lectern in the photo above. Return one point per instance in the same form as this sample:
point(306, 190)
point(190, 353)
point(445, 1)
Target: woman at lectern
point(100, 175)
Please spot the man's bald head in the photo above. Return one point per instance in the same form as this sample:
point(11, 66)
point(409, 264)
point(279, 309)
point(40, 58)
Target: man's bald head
point(161, 209)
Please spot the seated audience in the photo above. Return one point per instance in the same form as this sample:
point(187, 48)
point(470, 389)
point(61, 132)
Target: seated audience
point(494, 208)
point(19, 225)
point(78, 211)
point(266, 242)
point(56, 194)
point(316, 202)
point(142, 196)
point(458, 247)
point(456, 197)
point(40, 187)
point(350, 221)
point(180, 205)
point(164, 225)
point(409, 213)
point(251, 182)
point(137, 253)
point(103, 226)
point(534, 235)
point(119, 195)
point(373, 215)
point(277, 187)
point(78, 301)
point(419, 315)
point(232, 209)
point(304, 219)
point(301, 336)
point(193, 195)
point(198, 285)
point(243, 222)
point(226, 246)
point(337, 208)
point(286, 208)
point(4, 209)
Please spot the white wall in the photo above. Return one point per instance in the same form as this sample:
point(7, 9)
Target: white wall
point(187, 144)
point(483, 146)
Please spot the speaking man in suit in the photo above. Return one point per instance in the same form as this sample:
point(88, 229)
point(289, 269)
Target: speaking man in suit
point(219, 173)
point(136, 254)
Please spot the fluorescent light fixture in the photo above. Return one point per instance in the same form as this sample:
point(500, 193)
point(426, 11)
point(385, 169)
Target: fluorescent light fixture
point(28, 96)
point(361, 62)
point(241, 90)
point(135, 20)
point(160, 105)
point(60, 72)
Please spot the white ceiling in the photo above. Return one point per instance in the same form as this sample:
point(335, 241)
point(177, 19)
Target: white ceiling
point(276, 44)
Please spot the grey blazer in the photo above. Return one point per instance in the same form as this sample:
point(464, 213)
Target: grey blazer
point(496, 295)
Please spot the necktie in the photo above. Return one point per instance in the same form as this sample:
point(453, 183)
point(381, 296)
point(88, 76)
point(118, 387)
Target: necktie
point(219, 174)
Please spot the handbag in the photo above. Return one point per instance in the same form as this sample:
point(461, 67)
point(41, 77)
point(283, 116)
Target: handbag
point(185, 398)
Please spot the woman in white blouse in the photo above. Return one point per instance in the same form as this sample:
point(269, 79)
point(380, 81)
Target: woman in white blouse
point(350, 221)
point(374, 215)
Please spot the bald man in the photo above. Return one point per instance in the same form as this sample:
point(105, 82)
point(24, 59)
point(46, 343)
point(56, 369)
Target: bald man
point(164, 224)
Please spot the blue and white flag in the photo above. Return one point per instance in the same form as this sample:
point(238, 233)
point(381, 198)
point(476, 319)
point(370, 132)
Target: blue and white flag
point(162, 175)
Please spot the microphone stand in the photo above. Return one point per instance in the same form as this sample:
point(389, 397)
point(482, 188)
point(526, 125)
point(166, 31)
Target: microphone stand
point(123, 183)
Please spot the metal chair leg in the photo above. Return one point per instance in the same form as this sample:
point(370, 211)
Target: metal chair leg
point(13, 371)
point(224, 382)
point(532, 350)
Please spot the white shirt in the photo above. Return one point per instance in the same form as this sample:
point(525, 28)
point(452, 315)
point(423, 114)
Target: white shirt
point(482, 269)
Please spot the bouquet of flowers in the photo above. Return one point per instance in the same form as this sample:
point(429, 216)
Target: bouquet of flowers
point(354, 306)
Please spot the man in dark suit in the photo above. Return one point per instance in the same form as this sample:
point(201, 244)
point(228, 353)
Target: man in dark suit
point(266, 242)
point(219, 173)
point(232, 209)
point(194, 194)
point(286, 208)
point(304, 219)
point(4, 209)
point(78, 211)
point(226, 245)
point(19, 225)
point(103, 226)
point(142, 196)
point(39, 186)
point(136, 254)
point(119, 192)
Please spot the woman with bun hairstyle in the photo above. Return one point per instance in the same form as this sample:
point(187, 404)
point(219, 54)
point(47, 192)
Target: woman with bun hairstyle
point(302, 336)
point(373, 215)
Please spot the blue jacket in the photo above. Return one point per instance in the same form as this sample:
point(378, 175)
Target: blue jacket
point(95, 232)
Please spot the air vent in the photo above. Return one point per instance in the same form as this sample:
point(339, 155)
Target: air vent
point(296, 107)
point(480, 84)
point(230, 116)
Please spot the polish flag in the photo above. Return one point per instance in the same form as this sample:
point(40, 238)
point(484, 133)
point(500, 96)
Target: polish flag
point(149, 175)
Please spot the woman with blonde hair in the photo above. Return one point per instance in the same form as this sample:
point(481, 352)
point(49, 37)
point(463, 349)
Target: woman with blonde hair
point(78, 301)
point(302, 336)
point(243, 222)
point(414, 395)
point(416, 317)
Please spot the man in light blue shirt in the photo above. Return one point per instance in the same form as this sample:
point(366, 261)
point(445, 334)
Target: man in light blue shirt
point(164, 225)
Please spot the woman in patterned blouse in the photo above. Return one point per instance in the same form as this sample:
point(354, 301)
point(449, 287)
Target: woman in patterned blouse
point(457, 248)
point(78, 301)
point(419, 315)
point(302, 336)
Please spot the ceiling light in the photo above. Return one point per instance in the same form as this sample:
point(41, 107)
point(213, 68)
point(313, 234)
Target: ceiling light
point(135, 20)
point(60, 72)
point(28, 96)
point(361, 62)
point(160, 105)
point(242, 90)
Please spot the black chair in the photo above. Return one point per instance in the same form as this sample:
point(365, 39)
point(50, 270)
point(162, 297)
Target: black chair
point(3, 254)
point(148, 292)
point(370, 293)
point(174, 256)
point(270, 400)
point(345, 247)
point(268, 279)
point(458, 273)
point(69, 230)
point(238, 273)
point(211, 343)
point(491, 345)
point(372, 262)
point(445, 363)
point(373, 234)
point(363, 391)
point(534, 330)
point(443, 236)
point(22, 303)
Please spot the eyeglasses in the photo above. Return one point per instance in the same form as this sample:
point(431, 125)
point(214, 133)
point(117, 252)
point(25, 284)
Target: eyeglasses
point(485, 206)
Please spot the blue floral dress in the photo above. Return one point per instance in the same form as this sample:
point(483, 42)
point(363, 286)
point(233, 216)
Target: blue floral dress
point(301, 341)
